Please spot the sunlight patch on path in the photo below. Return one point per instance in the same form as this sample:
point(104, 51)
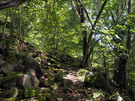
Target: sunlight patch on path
point(73, 77)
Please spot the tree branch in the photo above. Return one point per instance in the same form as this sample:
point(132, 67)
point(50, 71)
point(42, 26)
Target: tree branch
point(86, 12)
point(48, 11)
point(99, 14)
point(10, 3)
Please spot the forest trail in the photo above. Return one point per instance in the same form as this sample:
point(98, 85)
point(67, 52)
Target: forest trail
point(73, 76)
point(75, 90)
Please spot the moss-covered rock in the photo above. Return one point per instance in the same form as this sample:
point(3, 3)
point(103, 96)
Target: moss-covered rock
point(10, 79)
point(8, 68)
point(12, 76)
point(13, 92)
point(31, 92)
point(97, 80)
point(81, 73)
point(58, 76)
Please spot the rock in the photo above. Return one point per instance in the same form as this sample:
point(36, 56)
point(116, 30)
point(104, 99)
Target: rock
point(44, 90)
point(29, 80)
point(98, 96)
point(97, 80)
point(20, 67)
point(10, 80)
point(31, 62)
point(2, 62)
point(35, 81)
point(59, 99)
point(8, 68)
point(25, 81)
point(67, 83)
point(58, 76)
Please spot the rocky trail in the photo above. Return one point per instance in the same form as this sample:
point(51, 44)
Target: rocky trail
point(31, 75)
point(76, 90)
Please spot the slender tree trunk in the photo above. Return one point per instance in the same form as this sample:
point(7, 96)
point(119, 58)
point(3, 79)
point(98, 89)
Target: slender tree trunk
point(84, 34)
point(57, 41)
point(13, 22)
point(20, 31)
point(122, 73)
point(122, 70)
point(106, 69)
point(3, 34)
point(87, 49)
point(4, 26)
point(12, 27)
point(129, 33)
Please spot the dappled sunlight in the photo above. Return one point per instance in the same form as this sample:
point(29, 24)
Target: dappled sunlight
point(73, 77)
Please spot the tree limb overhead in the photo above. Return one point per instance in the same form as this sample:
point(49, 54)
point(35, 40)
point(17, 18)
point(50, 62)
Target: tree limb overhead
point(10, 3)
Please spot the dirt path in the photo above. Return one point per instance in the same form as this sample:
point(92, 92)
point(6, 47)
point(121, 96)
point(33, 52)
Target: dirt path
point(75, 90)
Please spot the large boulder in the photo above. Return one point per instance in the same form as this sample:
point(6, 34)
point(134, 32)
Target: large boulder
point(1, 60)
point(31, 62)
point(96, 80)
point(20, 67)
point(25, 81)
point(10, 79)
point(34, 80)
point(29, 79)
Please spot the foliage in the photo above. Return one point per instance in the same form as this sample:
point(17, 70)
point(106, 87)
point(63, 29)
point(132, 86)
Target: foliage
point(97, 80)
point(10, 99)
point(55, 26)
point(12, 76)
point(29, 92)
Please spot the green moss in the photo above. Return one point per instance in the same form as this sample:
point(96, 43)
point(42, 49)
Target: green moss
point(38, 58)
point(82, 72)
point(12, 76)
point(11, 93)
point(96, 80)
point(20, 54)
point(58, 76)
point(11, 99)
point(99, 81)
point(29, 92)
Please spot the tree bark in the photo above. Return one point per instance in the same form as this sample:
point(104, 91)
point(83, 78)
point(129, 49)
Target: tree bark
point(10, 3)
point(122, 70)
point(87, 50)
point(84, 33)
point(4, 26)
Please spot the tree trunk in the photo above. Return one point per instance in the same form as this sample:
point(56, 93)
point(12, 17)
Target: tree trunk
point(84, 34)
point(87, 50)
point(122, 73)
point(122, 70)
point(57, 40)
point(4, 26)
point(20, 31)
point(10, 3)
point(3, 35)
